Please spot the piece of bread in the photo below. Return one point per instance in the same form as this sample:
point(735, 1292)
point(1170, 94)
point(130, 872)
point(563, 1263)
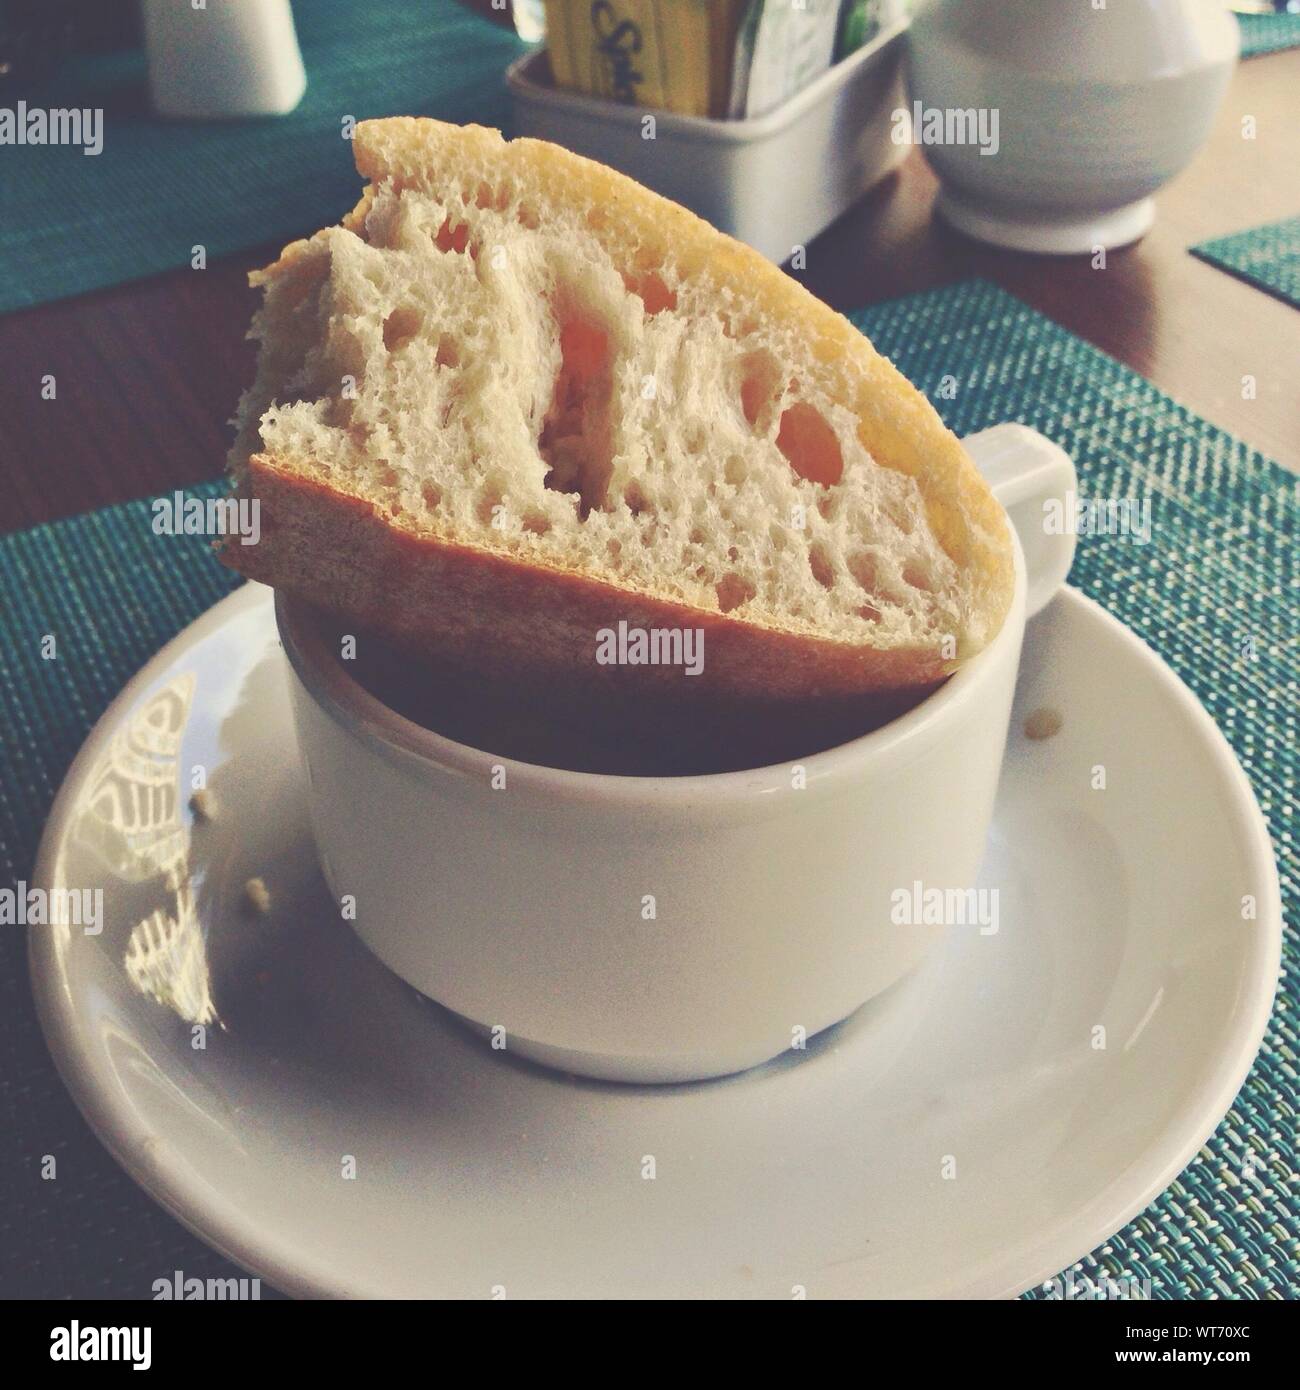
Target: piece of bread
point(516, 398)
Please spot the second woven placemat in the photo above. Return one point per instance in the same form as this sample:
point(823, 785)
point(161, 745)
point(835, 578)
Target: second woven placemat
point(1268, 257)
point(159, 188)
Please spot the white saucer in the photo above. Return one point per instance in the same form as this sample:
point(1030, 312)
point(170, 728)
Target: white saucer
point(823, 1170)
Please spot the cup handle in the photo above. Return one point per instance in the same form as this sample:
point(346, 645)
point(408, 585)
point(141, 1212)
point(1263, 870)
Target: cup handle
point(1025, 470)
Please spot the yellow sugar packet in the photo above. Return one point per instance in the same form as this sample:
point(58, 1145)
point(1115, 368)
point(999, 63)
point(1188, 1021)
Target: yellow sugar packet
point(670, 55)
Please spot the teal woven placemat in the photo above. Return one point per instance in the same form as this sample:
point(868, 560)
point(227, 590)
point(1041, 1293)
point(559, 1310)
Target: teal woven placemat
point(1221, 562)
point(1268, 257)
point(1267, 33)
point(159, 188)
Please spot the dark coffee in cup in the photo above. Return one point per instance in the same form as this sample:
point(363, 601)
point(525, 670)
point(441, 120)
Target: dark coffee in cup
point(615, 726)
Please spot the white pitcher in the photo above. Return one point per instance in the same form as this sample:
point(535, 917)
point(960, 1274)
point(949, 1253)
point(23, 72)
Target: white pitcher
point(1081, 110)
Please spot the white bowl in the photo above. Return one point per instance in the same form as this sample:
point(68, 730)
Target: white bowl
point(774, 181)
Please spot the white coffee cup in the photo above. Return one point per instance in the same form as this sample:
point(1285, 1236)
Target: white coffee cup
point(665, 928)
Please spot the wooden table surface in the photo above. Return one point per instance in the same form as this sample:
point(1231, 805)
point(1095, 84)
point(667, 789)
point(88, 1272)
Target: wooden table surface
point(149, 372)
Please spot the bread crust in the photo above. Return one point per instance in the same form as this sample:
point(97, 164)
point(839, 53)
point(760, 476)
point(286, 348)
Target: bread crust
point(497, 615)
point(502, 612)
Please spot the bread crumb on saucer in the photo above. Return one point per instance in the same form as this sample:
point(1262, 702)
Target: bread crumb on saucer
point(257, 896)
point(1043, 723)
